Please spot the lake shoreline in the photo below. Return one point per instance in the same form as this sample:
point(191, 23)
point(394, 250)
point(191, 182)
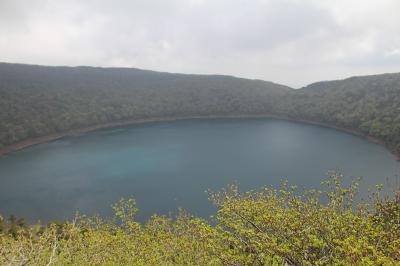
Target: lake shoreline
point(81, 131)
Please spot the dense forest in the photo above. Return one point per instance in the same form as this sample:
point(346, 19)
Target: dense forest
point(38, 100)
point(369, 104)
point(283, 226)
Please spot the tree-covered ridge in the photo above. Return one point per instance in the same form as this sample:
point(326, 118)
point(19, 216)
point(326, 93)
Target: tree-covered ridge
point(369, 104)
point(283, 226)
point(37, 100)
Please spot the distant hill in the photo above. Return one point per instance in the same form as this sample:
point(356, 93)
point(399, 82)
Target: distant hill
point(368, 104)
point(39, 100)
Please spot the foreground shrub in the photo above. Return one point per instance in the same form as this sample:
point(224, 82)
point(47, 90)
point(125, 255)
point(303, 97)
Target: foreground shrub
point(267, 226)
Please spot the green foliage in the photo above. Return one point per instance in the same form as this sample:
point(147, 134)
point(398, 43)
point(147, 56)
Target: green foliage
point(12, 225)
point(264, 227)
point(37, 101)
point(369, 104)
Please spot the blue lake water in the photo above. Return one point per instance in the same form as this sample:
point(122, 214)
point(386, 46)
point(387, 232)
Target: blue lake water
point(167, 165)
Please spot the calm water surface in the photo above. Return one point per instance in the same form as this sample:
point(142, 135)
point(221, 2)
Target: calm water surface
point(168, 165)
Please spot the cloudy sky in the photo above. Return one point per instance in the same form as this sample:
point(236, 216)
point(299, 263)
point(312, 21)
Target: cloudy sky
point(294, 42)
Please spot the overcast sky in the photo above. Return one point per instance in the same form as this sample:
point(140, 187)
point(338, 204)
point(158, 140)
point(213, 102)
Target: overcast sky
point(294, 42)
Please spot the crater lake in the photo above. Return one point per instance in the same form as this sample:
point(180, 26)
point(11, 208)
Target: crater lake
point(168, 165)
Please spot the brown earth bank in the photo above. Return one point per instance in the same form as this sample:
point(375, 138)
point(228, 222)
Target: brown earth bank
point(80, 131)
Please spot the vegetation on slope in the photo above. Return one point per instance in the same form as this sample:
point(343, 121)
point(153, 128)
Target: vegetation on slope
point(369, 104)
point(265, 227)
point(37, 101)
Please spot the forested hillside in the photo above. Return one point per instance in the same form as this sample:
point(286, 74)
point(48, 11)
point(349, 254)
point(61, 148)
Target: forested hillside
point(369, 104)
point(37, 100)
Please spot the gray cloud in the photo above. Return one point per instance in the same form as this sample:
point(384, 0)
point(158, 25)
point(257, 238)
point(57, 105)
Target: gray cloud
point(294, 42)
